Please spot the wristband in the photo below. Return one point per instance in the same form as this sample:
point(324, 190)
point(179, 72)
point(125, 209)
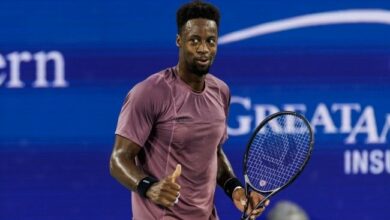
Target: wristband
point(145, 184)
point(230, 185)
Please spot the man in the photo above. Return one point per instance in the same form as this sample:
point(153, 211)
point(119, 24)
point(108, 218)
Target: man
point(171, 129)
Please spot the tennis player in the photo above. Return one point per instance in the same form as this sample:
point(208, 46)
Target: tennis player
point(171, 129)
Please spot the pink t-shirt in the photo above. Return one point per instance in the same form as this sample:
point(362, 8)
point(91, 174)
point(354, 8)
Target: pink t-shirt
point(175, 125)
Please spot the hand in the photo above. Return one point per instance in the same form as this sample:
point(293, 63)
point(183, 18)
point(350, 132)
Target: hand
point(166, 191)
point(240, 201)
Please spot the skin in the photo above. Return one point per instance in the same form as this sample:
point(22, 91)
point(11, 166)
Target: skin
point(197, 45)
point(124, 169)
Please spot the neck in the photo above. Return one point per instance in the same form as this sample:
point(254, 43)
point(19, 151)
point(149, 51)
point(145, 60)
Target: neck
point(197, 83)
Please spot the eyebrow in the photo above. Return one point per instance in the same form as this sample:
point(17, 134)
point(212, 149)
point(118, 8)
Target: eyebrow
point(198, 36)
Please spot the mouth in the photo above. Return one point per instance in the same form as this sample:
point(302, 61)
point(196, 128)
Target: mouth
point(203, 61)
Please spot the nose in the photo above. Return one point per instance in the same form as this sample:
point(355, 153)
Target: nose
point(203, 48)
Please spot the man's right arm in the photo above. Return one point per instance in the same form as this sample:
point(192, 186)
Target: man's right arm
point(124, 169)
point(122, 163)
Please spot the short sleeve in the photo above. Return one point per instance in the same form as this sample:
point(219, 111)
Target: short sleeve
point(137, 115)
point(225, 95)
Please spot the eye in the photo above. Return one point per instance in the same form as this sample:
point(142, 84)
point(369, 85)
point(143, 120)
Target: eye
point(194, 41)
point(212, 41)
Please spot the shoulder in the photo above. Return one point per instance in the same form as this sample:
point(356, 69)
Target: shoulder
point(220, 84)
point(217, 82)
point(152, 94)
point(155, 86)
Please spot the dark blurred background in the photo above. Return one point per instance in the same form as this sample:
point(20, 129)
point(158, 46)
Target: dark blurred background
point(66, 66)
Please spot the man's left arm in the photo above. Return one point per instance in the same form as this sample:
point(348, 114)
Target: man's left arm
point(233, 188)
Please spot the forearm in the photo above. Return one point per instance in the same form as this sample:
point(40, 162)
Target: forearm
point(122, 163)
point(225, 170)
point(124, 169)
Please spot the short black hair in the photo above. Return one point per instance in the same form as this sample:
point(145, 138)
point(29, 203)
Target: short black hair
point(196, 9)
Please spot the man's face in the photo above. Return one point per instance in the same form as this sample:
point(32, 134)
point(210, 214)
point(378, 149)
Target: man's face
point(198, 45)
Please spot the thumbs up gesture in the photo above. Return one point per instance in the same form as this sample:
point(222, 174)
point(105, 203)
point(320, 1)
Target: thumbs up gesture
point(166, 191)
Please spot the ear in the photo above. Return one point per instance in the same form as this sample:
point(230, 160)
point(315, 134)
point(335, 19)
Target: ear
point(178, 40)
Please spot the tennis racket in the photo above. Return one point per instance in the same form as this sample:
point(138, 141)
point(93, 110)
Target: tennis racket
point(276, 154)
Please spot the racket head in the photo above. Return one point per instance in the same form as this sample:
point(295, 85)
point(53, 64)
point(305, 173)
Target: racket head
point(277, 152)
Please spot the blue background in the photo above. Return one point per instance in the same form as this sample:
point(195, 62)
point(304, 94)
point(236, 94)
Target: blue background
point(55, 143)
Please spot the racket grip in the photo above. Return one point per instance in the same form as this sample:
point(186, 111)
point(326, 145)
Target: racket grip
point(244, 217)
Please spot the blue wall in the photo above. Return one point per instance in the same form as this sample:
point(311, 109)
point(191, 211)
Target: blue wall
point(55, 140)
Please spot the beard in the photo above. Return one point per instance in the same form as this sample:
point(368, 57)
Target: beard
point(197, 70)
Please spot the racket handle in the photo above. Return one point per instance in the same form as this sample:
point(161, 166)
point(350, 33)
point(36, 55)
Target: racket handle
point(246, 217)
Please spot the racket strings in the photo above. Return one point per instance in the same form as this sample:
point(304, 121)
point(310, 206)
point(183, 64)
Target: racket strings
point(278, 152)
